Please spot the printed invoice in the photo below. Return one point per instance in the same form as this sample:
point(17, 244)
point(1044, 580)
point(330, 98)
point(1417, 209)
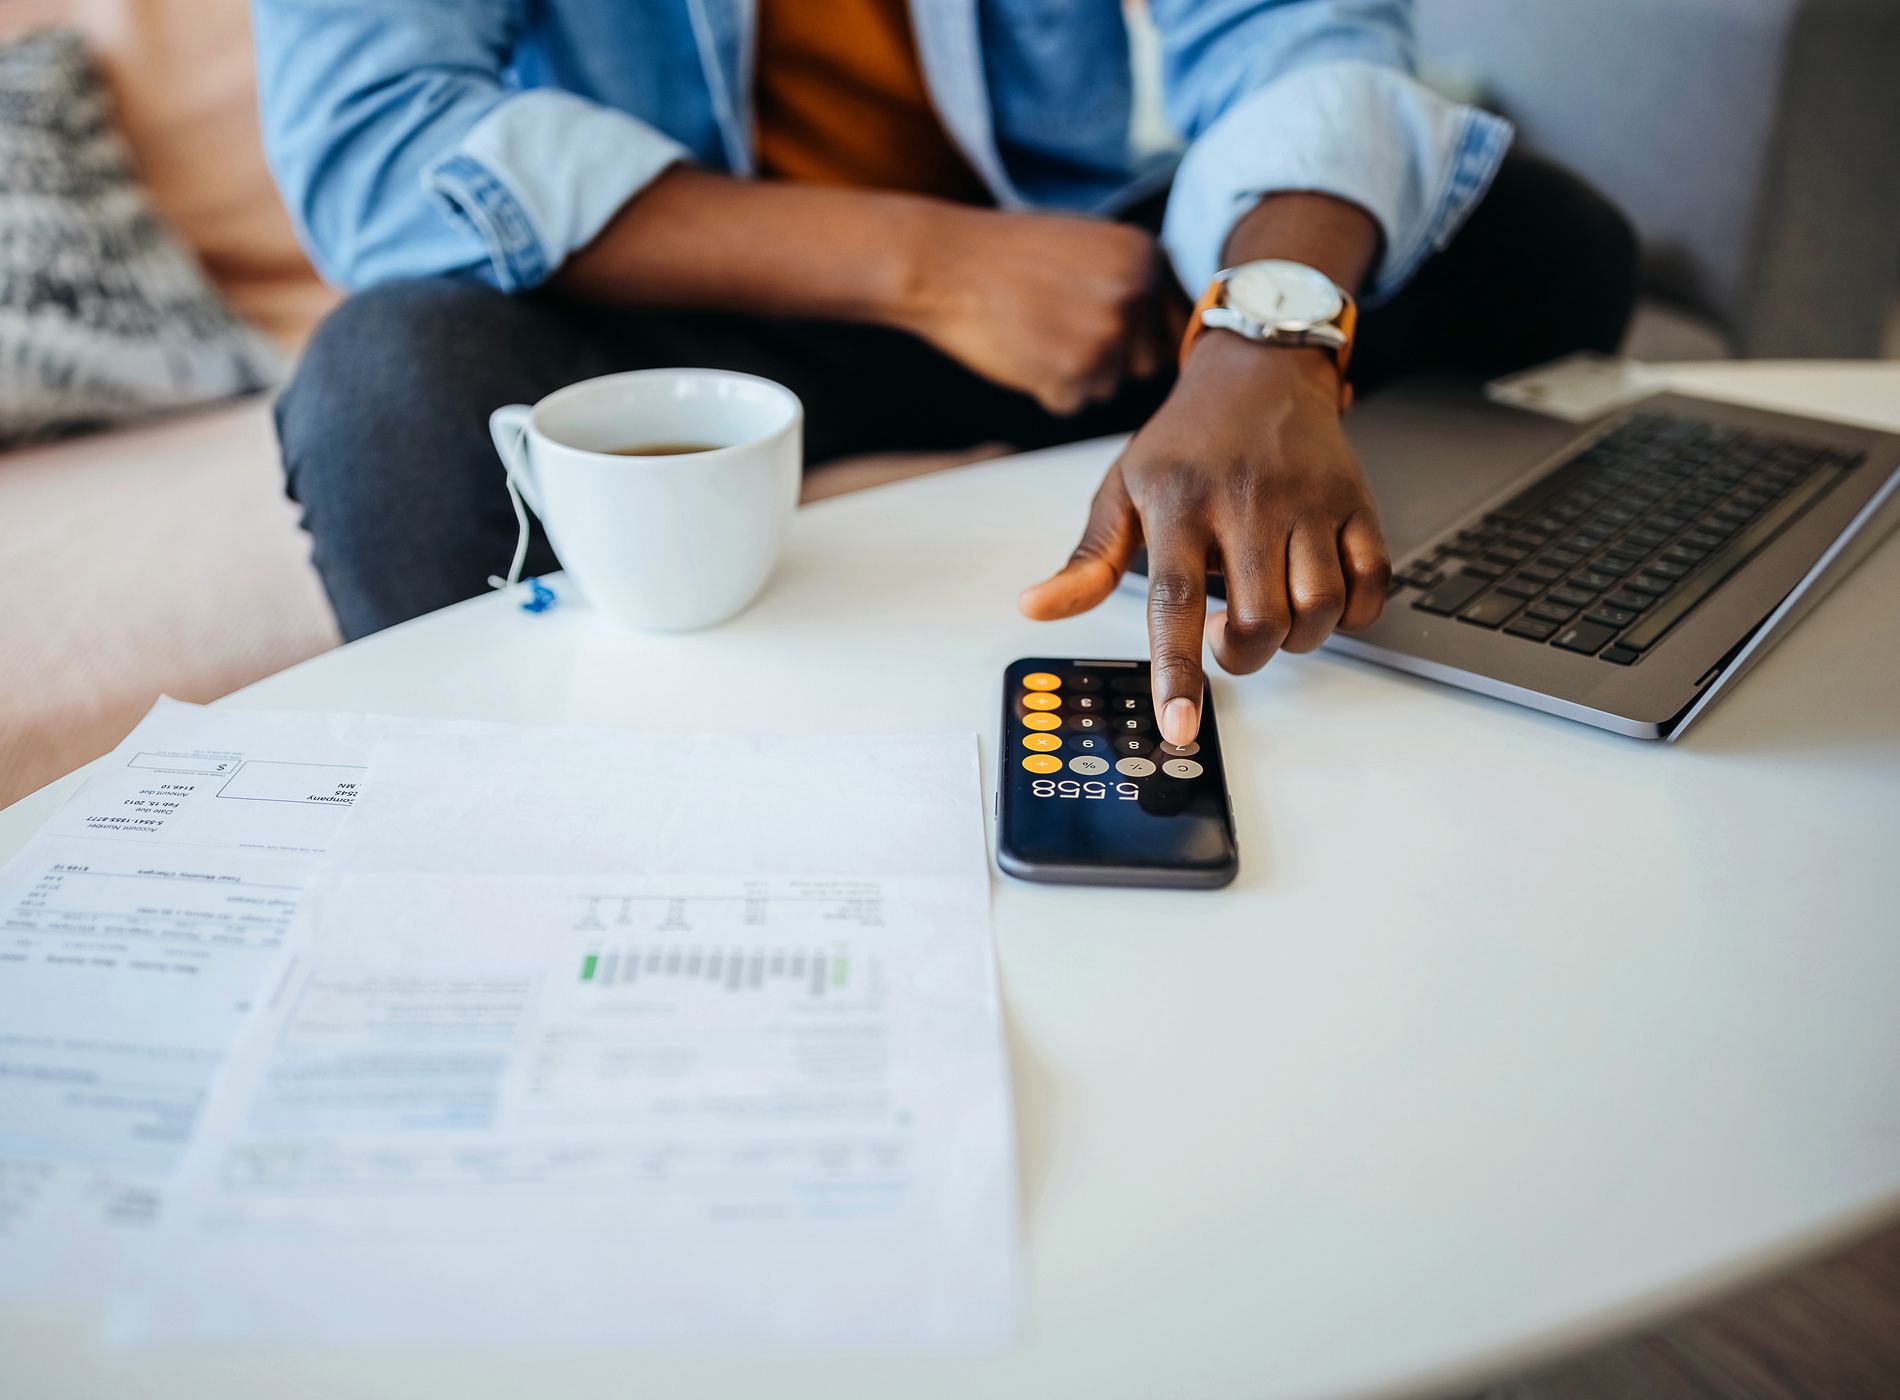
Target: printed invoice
point(593, 1037)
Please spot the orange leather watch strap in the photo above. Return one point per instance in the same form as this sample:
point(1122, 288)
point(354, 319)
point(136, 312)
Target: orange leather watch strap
point(1348, 325)
point(1209, 300)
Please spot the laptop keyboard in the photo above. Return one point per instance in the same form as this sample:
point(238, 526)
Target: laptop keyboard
point(1603, 555)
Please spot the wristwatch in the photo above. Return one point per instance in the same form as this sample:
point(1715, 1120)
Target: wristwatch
point(1276, 302)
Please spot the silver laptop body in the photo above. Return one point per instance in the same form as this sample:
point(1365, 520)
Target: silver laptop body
point(1440, 459)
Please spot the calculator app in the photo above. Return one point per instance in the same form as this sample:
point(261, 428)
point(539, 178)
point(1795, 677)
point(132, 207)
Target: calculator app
point(1088, 781)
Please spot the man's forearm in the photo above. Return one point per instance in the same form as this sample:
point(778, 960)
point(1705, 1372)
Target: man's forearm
point(698, 241)
point(1338, 238)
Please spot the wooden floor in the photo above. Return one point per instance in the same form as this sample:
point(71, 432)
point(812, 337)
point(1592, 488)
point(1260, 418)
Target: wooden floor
point(1829, 1331)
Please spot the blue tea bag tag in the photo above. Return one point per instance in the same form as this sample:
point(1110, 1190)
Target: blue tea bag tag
point(540, 597)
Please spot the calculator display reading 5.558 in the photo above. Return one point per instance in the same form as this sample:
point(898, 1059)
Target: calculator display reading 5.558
point(1068, 787)
point(1091, 793)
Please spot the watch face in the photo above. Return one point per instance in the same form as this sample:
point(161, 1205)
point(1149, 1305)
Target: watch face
point(1289, 295)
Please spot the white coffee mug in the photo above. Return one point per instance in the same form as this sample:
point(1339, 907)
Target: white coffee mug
point(663, 542)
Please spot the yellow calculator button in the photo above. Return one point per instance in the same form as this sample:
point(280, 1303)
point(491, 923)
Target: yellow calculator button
point(1041, 680)
point(1041, 743)
point(1042, 763)
point(1038, 720)
point(1041, 700)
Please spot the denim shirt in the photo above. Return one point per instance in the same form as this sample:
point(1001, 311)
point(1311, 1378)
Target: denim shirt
point(490, 139)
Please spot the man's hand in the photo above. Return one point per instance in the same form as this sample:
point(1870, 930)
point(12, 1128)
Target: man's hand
point(1061, 308)
point(1243, 469)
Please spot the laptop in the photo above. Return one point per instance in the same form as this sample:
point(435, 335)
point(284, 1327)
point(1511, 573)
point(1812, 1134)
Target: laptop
point(1625, 575)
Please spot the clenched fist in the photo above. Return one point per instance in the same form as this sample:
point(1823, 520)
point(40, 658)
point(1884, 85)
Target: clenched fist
point(1061, 308)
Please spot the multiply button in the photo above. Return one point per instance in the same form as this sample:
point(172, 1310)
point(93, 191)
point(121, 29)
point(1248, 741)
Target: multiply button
point(1088, 765)
point(1041, 680)
point(1181, 768)
point(1042, 763)
point(1037, 720)
point(1134, 767)
point(1041, 743)
point(1041, 700)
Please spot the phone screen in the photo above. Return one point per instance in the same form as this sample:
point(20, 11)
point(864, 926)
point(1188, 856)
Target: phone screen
point(1088, 793)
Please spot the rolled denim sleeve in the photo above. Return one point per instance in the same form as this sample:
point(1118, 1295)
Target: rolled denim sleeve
point(1315, 95)
point(403, 152)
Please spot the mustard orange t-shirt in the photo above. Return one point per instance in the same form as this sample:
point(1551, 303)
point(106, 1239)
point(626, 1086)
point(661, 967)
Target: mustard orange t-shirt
point(841, 100)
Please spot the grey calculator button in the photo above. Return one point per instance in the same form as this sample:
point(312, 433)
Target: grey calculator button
point(1178, 768)
point(1187, 750)
point(1088, 765)
point(1134, 767)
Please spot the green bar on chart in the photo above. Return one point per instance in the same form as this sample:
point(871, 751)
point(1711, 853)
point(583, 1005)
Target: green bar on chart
point(587, 967)
point(837, 972)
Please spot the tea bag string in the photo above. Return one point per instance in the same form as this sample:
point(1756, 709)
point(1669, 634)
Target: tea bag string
point(540, 597)
point(521, 538)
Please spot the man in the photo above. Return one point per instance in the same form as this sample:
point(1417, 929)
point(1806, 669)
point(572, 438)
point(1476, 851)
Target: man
point(878, 205)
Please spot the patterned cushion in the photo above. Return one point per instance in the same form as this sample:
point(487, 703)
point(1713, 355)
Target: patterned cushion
point(104, 316)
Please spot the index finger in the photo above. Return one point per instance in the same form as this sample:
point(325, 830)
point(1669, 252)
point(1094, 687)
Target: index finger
point(1177, 615)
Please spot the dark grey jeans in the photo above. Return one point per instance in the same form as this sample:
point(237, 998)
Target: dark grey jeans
point(385, 436)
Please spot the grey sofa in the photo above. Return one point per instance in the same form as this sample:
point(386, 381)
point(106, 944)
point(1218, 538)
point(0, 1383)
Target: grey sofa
point(1755, 144)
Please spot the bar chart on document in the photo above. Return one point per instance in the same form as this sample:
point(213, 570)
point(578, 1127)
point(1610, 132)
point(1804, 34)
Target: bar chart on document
point(752, 1011)
point(681, 970)
point(663, 956)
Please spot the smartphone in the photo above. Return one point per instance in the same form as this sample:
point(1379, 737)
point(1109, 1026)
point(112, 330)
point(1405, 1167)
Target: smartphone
point(1089, 794)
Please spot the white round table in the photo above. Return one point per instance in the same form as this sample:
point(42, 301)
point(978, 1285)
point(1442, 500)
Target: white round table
point(1510, 1033)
